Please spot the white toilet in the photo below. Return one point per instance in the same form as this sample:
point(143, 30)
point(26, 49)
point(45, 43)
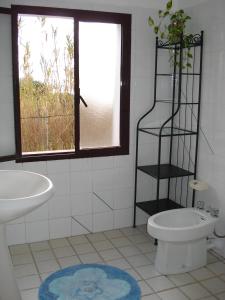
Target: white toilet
point(181, 235)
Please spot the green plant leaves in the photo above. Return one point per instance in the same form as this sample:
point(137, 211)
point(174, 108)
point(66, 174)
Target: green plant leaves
point(169, 4)
point(156, 29)
point(151, 22)
point(171, 26)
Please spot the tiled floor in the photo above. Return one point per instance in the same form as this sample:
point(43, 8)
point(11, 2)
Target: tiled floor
point(129, 249)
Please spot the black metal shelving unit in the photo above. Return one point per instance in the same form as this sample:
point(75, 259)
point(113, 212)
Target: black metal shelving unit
point(181, 129)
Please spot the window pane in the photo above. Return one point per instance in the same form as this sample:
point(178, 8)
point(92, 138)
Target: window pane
point(46, 74)
point(7, 141)
point(99, 67)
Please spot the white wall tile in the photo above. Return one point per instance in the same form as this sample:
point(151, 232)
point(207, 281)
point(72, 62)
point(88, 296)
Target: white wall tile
point(83, 164)
point(123, 217)
point(61, 183)
point(103, 221)
point(59, 207)
point(123, 198)
point(102, 180)
point(59, 228)
point(57, 166)
point(100, 163)
point(82, 224)
point(38, 214)
point(81, 203)
point(16, 234)
point(38, 167)
point(80, 182)
point(37, 231)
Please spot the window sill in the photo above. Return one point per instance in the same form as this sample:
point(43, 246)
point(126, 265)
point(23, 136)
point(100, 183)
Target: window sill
point(84, 153)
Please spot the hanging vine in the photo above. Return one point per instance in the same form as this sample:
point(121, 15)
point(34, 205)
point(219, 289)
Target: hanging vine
point(171, 26)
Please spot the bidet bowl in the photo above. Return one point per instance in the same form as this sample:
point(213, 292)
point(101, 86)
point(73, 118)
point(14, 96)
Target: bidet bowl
point(181, 225)
point(21, 192)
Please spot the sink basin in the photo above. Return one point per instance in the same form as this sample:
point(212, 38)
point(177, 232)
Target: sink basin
point(21, 192)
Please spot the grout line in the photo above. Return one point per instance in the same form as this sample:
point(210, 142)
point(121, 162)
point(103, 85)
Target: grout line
point(73, 218)
point(56, 258)
point(35, 263)
point(103, 201)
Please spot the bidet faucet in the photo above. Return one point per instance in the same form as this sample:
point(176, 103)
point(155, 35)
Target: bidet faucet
point(215, 212)
point(200, 205)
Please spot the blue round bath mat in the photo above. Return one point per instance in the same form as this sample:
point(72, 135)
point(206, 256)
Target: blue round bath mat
point(90, 282)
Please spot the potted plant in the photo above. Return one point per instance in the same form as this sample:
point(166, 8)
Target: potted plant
point(172, 27)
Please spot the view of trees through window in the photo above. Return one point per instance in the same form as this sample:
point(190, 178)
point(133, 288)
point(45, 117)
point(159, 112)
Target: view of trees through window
point(46, 84)
point(46, 68)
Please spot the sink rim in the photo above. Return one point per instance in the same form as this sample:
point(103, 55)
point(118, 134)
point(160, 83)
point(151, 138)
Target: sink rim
point(46, 190)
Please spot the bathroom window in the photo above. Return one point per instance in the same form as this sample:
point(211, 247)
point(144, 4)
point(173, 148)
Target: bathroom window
point(71, 82)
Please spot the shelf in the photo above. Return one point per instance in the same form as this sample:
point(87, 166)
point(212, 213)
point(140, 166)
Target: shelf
point(177, 74)
point(166, 131)
point(154, 206)
point(181, 103)
point(166, 171)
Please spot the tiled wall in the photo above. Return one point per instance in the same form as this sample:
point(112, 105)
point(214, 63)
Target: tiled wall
point(95, 194)
point(209, 16)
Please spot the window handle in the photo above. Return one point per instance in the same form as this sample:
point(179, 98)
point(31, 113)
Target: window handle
point(83, 101)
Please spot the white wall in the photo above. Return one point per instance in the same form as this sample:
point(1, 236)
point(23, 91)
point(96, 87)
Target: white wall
point(111, 178)
point(209, 16)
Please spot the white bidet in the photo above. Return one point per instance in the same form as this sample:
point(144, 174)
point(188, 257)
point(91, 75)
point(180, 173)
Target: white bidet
point(182, 239)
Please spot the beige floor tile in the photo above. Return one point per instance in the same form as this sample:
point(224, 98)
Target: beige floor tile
point(147, 272)
point(218, 268)
point(129, 251)
point(174, 294)
point(96, 237)
point(145, 288)
point(69, 261)
point(195, 291)
point(119, 263)
point(121, 242)
point(63, 252)
point(28, 282)
point(22, 259)
point(40, 246)
point(103, 245)
point(181, 279)
point(139, 238)
point(160, 283)
point(110, 254)
point(25, 270)
point(202, 274)
point(43, 255)
point(146, 247)
point(128, 231)
point(84, 248)
point(90, 258)
point(111, 234)
point(214, 285)
point(19, 249)
point(29, 294)
point(138, 260)
point(150, 297)
point(80, 239)
point(57, 243)
point(47, 266)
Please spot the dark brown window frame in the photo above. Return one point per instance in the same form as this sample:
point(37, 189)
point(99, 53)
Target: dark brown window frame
point(86, 16)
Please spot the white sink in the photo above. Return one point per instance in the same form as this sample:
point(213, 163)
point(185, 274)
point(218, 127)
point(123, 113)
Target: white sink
point(20, 193)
